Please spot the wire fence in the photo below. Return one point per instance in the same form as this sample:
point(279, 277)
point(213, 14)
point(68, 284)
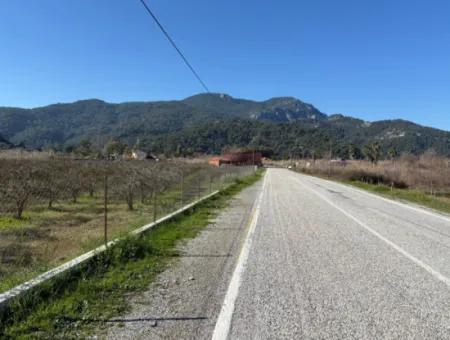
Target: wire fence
point(53, 210)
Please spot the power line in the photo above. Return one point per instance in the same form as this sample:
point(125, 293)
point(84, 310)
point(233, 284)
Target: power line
point(174, 45)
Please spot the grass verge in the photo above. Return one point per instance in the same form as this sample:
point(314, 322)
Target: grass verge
point(436, 202)
point(81, 301)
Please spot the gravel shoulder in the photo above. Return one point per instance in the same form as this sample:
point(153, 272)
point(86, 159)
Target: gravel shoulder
point(185, 300)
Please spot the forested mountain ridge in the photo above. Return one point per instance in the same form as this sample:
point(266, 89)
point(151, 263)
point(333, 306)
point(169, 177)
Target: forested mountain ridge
point(4, 144)
point(280, 109)
point(208, 122)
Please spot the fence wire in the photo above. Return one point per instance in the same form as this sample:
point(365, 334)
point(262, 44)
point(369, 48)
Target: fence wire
point(54, 210)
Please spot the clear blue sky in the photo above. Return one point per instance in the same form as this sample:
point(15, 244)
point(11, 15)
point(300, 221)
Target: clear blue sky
point(370, 59)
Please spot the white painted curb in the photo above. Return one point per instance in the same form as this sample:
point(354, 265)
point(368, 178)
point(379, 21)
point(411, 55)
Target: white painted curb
point(6, 297)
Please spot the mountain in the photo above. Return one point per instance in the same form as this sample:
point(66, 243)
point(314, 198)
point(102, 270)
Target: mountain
point(4, 144)
point(280, 110)
point(97, 120)
point(209, 122)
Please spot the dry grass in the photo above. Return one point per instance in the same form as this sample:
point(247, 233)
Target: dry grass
point(424, 179)
point(48, 237)
point(21, 154)
point(428, 173)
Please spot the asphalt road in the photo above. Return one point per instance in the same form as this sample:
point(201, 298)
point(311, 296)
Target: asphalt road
point(327, 261)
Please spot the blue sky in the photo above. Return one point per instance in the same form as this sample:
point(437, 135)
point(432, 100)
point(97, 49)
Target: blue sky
point(370, 59)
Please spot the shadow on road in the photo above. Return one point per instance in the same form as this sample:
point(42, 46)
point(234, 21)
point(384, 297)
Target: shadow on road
point(175, 318)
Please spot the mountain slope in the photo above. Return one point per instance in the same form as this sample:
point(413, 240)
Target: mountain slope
point(281, 110)
point(4, 144)
point(97, 120)
point(300, 139)
point(208, 122)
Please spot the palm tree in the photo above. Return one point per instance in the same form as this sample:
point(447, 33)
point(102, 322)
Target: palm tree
point(392, 153)
point(372, 152)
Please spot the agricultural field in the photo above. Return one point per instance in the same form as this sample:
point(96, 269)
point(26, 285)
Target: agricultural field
point(53, 210)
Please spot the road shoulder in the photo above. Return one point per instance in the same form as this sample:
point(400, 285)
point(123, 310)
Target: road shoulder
point(185, 300)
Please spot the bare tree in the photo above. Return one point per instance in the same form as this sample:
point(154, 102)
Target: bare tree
point(19, 181)
point(51, 182)
point(126, 183)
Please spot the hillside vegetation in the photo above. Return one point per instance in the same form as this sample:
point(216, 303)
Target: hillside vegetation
point(4, 144)
point(206, 123)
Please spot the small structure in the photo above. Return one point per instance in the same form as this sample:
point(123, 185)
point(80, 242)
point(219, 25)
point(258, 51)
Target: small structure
point(216, 161)
point(138, 155)
point(238, 158)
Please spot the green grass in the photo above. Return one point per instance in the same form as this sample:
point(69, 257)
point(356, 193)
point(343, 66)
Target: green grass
point(440, 203)
point(77, 303)
point(10, 222)
point(18, 278)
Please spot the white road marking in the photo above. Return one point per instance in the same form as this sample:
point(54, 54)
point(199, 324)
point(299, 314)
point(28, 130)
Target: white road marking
point(407, 206)
point(223, 324)
point(425, 266)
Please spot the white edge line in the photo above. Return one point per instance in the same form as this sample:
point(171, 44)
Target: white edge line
point(22, 288)
point(389, 200)
point(414, 259)
point(223, 323)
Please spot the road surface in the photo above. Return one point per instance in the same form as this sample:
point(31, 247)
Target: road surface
point(326, 261)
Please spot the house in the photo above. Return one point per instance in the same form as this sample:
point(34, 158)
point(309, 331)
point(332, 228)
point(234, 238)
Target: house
point(139, 155)
point(238, 158)
point(216, 161)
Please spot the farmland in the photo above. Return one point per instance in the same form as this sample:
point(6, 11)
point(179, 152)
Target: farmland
point(54, 210)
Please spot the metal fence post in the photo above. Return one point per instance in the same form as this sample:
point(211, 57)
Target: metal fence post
point(155, 205)
point(105, 208)
point(182, 188)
